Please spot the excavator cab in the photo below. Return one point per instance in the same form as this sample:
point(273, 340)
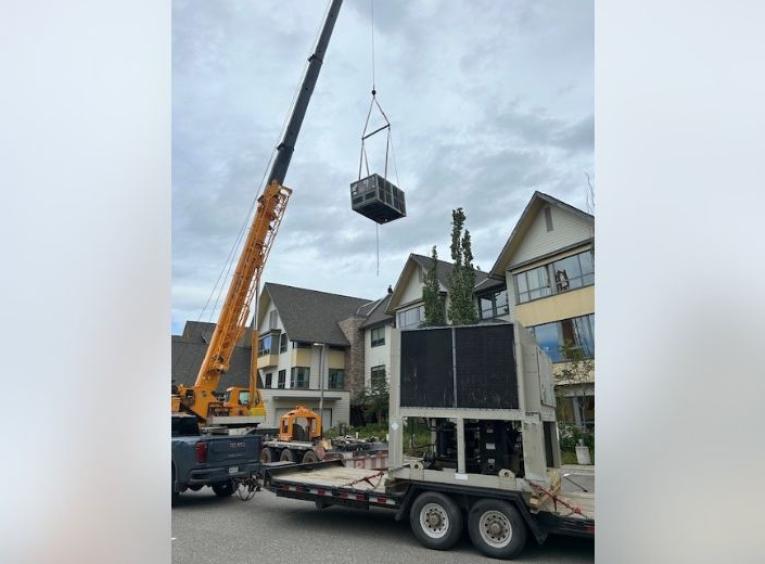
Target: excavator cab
point(300, 424)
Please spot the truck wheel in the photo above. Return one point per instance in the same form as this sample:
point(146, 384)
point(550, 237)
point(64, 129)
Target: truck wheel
point(310, 456)
point(496, 528)
point(267, 455)
point(224, 489)
point(436, 521)
point(287, 456)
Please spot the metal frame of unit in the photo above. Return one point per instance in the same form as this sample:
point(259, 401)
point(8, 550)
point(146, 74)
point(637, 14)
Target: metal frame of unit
point(536, 406)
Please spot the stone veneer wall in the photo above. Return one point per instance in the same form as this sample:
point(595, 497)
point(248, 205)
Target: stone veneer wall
point(354, 355)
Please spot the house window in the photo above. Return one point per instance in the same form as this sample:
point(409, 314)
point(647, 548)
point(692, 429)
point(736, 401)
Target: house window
point(556, 277)
point(282, 379)
point(269, 379)
point(573, 272)
point(410, 317)
point(299, 377)
point(576, 334)
point(336, 379)
point(283, 343)
point(533, 284)
point(378, 336)
point(377, 377)
point(264, 345)
point(494, 304)
point(300, 345)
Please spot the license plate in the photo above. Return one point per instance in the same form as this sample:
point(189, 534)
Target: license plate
point(233, 469)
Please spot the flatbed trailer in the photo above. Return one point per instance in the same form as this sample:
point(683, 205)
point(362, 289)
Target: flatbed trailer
point(499, 520)
point(486, 393)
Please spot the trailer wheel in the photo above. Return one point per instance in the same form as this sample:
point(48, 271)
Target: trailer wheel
point(310, 456)
point(496, 528)
point(287, 456)
point(267, 455)
point(436, 521)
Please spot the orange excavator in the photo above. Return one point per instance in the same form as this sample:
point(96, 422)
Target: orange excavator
point(241, 407)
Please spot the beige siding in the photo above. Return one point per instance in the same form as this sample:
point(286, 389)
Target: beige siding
point(559, 306)
point(376, 356)
point(279, 401)
point(568, 228)
point(413, 290)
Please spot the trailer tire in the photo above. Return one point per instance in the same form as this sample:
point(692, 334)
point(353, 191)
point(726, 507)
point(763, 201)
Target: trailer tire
point(436, 520)
point(267, 455)
point(496, 528)
point(224, 489)
point(287, 456)
point(309, 457)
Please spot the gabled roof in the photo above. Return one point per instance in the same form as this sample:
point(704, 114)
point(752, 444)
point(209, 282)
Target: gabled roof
point(312, 316)
point(489, 283)
point(537, 201)
point(443, 271)
point(377, 314)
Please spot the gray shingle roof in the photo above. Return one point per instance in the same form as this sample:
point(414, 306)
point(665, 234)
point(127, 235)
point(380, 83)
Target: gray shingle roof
point(313, 316)
point(377, 313)
point(189, 349)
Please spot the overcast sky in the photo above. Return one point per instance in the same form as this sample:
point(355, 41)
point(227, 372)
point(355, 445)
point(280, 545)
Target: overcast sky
point(489, 100)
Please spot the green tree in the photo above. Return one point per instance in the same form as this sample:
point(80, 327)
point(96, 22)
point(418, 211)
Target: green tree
point(374, 402)
point(431, 295)
point(462, 280)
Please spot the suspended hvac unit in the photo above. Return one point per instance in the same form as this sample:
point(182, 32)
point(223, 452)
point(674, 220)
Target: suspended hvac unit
point(378, 199)
point(375, 196)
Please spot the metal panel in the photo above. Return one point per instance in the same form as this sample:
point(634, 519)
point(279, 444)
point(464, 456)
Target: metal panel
point(486, 369)
point(426, 368)
point(378, 199)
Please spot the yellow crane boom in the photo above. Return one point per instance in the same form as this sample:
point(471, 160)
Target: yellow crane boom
point(200, 398)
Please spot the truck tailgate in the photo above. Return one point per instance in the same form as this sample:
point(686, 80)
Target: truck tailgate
point(230, 450)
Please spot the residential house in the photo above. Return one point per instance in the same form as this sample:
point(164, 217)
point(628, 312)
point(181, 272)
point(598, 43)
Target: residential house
point(309, 340)
point(406, 302)
point(548, 266)
point(543, 279)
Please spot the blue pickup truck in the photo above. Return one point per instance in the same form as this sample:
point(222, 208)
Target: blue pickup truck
point(217, 461)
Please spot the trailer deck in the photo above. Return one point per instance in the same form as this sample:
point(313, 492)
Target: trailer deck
point(332, 483)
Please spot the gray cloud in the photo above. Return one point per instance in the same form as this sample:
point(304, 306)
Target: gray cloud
point(489, 101)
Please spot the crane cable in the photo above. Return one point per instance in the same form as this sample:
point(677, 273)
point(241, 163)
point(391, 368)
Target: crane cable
point(363, 157)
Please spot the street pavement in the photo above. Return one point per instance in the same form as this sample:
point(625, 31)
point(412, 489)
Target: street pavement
point(207, 529)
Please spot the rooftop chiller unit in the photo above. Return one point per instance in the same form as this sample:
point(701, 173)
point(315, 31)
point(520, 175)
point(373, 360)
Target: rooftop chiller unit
point(378, 199)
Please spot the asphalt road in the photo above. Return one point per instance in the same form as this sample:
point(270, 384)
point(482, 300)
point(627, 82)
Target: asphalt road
point(207, 529)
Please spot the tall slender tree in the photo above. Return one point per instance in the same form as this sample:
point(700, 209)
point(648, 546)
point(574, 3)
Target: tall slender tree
point(431, 294)
point(462, 279)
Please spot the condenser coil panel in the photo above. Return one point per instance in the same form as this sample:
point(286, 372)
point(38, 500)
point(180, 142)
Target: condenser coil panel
point(378, 199)
point(486, 374)
point(427, 378)
point(460, 367)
